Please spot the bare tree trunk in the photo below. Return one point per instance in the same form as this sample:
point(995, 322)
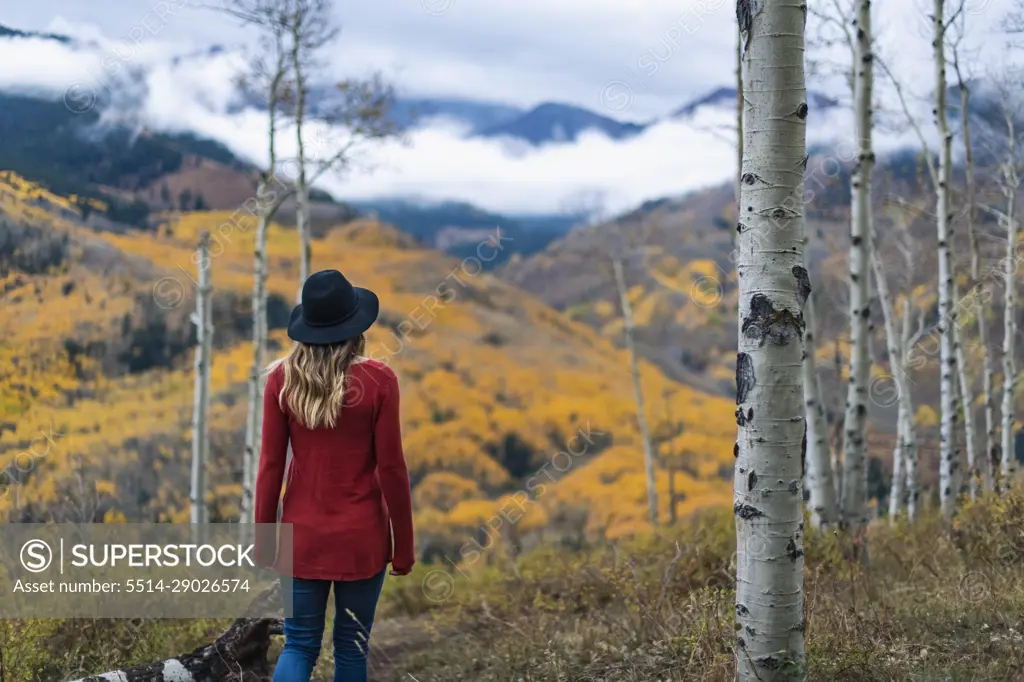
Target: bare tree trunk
point(201, 405)
point(302, 225)
point(239, 655)
point(896, 354)
point(820, 484)
point(254, 416)
point(837, 429)
point(949, 463)
point(773, 287)
point(987, 366)
point(908, 430)
point(854, 511)
point(1010, 184)
point(966, 400)
point(641, 414)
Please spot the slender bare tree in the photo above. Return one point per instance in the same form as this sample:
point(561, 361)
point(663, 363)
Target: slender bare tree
point(588, 207)
point(899, 341)
point(311, 27)
point(201, 404)
point(641, 414)
point(965, 397)
point(1010, 184)
point(823, 501)
point(853, 504)
point(987, 364)
point(773, 286)
point(949, 461)
point(269, 79)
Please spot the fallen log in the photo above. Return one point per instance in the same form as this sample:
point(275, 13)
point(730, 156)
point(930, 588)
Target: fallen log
point(238, 655)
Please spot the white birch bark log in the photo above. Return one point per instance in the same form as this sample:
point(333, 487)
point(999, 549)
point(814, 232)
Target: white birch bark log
point(773, 286)
point(948, 457)
point(1010, 184)
point(201, 404)
point(641, 414)
point(822, 501)
point(238, 654)
point(855, 474)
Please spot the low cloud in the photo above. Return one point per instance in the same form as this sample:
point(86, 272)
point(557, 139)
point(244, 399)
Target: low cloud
point(152, 88)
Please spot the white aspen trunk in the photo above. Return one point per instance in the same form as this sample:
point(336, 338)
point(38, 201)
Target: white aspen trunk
point(254, 416)
point(773, 287)
point(739, 116)
point(820, 484)
point(854, 512)
point(893, 341)
point(896, 489)
point(201, 405)
point(948, 460)
point(1007, 450)
point(836, 437)
point(301, 188)
point(966, 400)
point(987, 368)
point(641, 414)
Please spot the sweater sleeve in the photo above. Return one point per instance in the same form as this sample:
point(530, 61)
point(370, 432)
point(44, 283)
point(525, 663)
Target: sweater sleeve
point(273, 453)
point(393, 474)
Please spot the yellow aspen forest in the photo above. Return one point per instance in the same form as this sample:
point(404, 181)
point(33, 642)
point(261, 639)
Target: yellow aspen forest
point(498, 388)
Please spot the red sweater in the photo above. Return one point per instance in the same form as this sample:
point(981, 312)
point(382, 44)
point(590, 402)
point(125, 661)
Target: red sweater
point(342, 482)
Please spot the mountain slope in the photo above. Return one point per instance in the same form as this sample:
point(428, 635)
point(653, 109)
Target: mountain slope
point(495, 383)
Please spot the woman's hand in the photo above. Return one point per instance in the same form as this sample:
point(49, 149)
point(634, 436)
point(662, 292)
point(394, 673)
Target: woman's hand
point(400, 569)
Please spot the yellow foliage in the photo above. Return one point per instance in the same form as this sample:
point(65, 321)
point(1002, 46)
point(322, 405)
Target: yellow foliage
point(926, 416)
point(487, 374)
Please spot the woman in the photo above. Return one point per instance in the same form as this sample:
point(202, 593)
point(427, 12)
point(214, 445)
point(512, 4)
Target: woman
point(348, 488)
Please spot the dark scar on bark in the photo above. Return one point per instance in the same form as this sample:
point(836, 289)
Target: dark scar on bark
point(763, 322)
point(745, 379)
point(751, 480)
point(745, 511)
point(803, 283)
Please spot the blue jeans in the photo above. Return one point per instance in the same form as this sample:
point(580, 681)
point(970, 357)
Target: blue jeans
point(354, 604)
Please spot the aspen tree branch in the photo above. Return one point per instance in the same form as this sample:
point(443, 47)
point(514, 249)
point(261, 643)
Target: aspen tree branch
point(932, 172)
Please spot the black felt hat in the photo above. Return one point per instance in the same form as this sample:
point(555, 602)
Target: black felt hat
point(332, 310)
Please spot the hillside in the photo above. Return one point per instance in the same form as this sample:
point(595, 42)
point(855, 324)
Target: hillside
point(95, 351)
point(129, 174)
point(683, 287)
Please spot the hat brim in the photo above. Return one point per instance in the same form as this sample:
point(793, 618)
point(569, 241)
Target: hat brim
point(368, 307)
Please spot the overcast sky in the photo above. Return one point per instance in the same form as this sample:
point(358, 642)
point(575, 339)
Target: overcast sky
point(586, 52)
point(634, 59)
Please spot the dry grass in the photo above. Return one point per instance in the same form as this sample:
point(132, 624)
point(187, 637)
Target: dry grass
point(933, 605)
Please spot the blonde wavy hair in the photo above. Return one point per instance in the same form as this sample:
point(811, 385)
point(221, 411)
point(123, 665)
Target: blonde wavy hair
point(314, 380)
